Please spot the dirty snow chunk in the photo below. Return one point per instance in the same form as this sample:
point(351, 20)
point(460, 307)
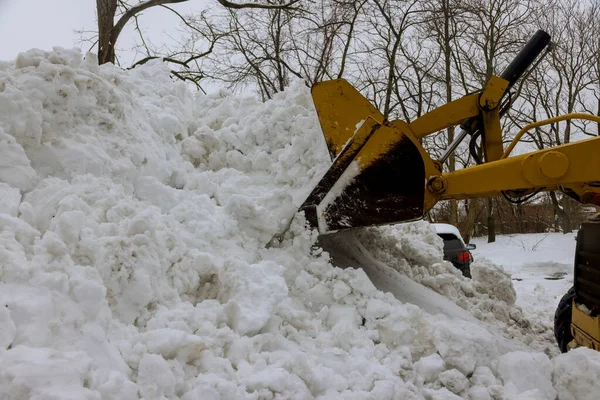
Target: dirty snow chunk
point(31, 310)
point(479, 393)
point(527, 373)
point(341, 290)
point(483, 376)
point(15, 168)
point(39, 373)
point(419, 252)
point(115, 385)
point(343, 316)
point(149, 188)
point(577, 374)
point(454, 380)
point(491, 279)
point(361, 283)
point(430, 367)
point(377, 308)
point(10, 197)
point(305, 281)
point(249, 216)
point(464, 345)
point(420, 243)
point(68, 225)
point(7, 327)
point(533, 394)
point(155, 377)
point(583, 308)
point(254, 293)
point(440, 394)
point(171, 343)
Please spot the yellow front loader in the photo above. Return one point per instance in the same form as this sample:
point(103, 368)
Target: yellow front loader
point(381, 174)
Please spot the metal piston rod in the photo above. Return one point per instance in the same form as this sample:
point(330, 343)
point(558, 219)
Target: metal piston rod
point(452, 147)
point(513, 72)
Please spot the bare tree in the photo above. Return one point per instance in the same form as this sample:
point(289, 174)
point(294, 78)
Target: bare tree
point(355, 10)
point(444, 25)
point(594, 47)
point(109, 10)
point(322, 39)
point(256, 51)
point(202, 38)
point(268, 49)
point(390, 20)
point(566, 82)
point(495, 31)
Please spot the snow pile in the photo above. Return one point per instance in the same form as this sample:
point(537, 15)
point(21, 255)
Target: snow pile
point(541, 266)
point(575, 373)
point(133, 221)
point(416, 251)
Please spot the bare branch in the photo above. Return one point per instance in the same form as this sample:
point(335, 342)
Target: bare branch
point(138, 8)
point(237, 6)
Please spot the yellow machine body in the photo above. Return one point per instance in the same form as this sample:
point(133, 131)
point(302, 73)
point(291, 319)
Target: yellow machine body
point(577, 319)
point(585, 329)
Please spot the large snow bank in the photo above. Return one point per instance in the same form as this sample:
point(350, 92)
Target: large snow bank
point(541, 267)
point(416, 251)
point(132, 260)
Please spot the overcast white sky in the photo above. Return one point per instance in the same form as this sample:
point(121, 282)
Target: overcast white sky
point(26, 24)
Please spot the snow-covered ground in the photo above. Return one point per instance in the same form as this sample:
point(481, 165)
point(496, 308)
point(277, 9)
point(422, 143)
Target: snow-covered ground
point(541, 266)
point(133, 222)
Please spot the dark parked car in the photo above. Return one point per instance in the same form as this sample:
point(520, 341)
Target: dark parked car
point(455, 249)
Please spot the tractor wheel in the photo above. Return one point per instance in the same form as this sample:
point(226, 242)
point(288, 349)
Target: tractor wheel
point(562, 321)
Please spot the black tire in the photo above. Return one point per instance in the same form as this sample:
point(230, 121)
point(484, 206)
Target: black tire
point(562, 321)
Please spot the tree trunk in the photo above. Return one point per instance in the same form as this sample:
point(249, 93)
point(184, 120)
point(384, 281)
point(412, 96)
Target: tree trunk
point(390, 81)
point(520, 217)
point(471, 215)
point(598, 114)
point(568, 207)
point(491, 221)
point(454, 212)
point(106, 10)
point(447, 47)
point(565, 221)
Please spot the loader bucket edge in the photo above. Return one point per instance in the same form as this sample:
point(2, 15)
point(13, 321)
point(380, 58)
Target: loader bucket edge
point(341, 109)
point(382, 181)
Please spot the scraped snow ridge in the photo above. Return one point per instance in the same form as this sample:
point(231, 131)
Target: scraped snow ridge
point(133, 221)
point(416, 251)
